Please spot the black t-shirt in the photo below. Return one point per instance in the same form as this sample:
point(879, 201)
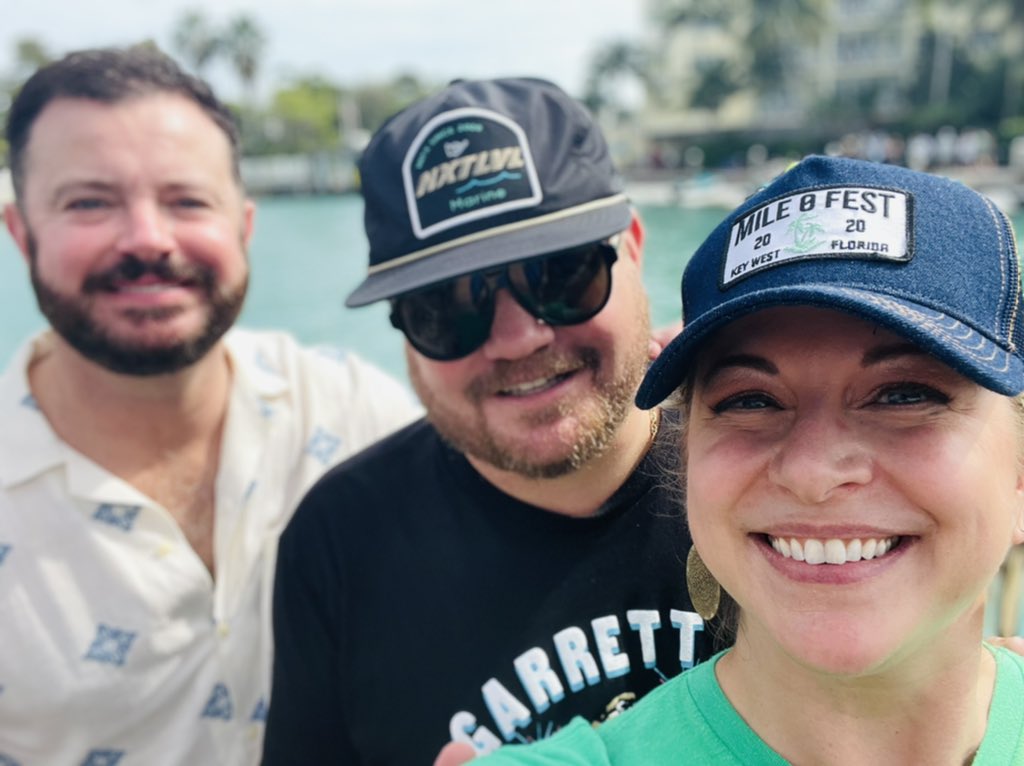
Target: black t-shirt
point(415, 603)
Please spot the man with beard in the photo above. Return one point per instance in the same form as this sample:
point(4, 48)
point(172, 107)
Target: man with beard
point(149, 456)
point(515, 559)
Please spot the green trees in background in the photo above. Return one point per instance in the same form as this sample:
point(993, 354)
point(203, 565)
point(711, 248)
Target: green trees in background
point(29, 54)
point(810, 70)
point(969, 71)
point(245, 44)
point(195, 41)
point(308, 112)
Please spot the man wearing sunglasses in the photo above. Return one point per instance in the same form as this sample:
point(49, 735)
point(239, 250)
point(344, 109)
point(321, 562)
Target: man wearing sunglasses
point(515, 559)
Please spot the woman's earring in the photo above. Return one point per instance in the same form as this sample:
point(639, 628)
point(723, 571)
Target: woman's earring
point(705, 592)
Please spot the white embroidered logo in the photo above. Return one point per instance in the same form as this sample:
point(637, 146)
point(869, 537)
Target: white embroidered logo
point(453, 149)
point(833, 222)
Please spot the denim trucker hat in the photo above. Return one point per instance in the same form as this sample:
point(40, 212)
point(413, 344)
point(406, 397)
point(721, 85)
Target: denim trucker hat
point(921, 255)
point(481, 174)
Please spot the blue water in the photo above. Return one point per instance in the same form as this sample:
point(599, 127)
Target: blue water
point(309, 253)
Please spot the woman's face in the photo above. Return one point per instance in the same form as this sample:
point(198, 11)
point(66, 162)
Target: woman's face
point(816, 438)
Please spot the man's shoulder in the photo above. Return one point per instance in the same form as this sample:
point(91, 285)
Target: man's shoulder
point(397, 464)
point(340, 385)
point(392, 477)
point(402, 457)
point(279, 352)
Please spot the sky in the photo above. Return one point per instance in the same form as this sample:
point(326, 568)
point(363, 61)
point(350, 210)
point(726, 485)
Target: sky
point(354, 41)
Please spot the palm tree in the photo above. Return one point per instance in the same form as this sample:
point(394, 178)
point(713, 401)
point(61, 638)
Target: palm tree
point(952, 26)
point(195, 41)
point(674, 13)
point(767, 33)
point(245, 42)
point(778, 28)
point(618, 60)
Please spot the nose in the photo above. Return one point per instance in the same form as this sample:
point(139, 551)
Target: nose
point(819, 457)
point(515, 333)
point(146, 231)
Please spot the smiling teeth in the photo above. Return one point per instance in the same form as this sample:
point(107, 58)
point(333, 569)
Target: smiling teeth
point(832, 551)
point(154, 288)
point(523, 389)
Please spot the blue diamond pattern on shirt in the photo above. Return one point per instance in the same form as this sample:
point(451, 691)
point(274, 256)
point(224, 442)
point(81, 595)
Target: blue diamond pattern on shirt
point(120, 516)
point(266, 410)
point(259, 713)
point(265, 364)
point(103, 758)
point(219, 705)
point(111, 645)
point(6, 760)
point(4, 550)
point(322, 445)
point(30, 403)
point(335, 353)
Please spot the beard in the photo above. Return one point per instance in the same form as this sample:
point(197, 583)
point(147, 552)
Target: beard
point(71, 318)
point(598, 416)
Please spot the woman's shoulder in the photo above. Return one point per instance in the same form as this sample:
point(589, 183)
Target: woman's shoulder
point(1009, 668)
point(575, 744)
point(1004, 735)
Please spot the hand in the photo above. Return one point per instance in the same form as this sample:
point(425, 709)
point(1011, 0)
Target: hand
point(1013, 643)
point(661, 337)
point(455, 754)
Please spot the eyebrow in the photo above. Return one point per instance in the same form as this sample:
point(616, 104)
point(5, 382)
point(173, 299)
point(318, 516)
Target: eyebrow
point(747, 361)
point(94, 186)
point(891, 351)
point(871, 357)
point(75, 186)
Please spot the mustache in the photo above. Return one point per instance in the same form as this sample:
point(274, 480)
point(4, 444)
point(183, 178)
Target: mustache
point(131, 268)
point(545, 364)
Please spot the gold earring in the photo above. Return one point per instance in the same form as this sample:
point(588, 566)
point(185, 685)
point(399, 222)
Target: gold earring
point(705, 592)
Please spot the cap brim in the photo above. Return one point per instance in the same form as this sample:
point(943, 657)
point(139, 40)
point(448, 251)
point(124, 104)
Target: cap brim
point(490, 251)
point(954, 343)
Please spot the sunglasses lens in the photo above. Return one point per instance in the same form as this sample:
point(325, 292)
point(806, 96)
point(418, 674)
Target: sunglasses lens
point(454, 319)
point(448, 321)
point(567, 288)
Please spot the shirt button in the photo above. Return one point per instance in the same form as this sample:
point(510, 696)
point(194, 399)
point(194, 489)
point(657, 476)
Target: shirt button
point(223, 629)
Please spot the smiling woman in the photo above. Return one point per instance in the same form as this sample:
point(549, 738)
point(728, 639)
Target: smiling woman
point(854, 479)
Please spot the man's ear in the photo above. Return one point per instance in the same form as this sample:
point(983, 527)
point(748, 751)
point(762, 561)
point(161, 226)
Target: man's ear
point(633, 242)
point(248, 220)
point(16, 225)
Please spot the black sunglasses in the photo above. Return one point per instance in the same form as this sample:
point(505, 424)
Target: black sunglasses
point(453, 319)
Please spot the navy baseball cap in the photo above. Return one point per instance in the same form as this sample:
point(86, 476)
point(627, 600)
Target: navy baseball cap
point(479, 175)
point(924, 256)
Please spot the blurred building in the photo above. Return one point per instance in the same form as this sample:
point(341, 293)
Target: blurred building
point(861, 58)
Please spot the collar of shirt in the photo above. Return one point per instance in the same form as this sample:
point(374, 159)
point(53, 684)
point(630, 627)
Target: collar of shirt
point(34, 448)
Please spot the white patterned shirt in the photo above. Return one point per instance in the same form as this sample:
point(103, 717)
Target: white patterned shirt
point(117, 647)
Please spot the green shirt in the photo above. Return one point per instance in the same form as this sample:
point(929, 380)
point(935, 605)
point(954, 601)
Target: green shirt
point(690, 720)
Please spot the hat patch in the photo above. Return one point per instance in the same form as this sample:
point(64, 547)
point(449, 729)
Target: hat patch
point(464, 165)
point(850, 222)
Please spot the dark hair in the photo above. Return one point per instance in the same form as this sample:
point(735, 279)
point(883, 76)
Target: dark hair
point(109, 75)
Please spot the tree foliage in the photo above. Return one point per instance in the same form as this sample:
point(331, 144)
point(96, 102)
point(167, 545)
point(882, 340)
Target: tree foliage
point(195, 40)
point(244, 42)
